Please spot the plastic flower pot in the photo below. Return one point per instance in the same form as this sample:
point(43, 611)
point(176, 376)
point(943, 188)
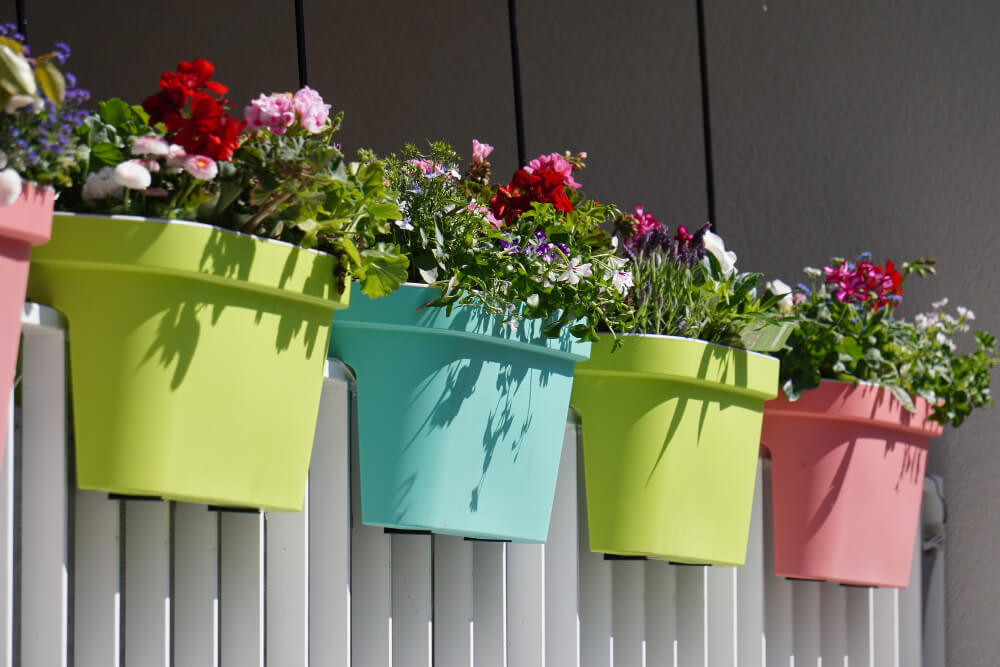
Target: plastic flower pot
point(196, 357)
point(671, 435)
point(847, 474)
point(460, 420)
point(25, 223)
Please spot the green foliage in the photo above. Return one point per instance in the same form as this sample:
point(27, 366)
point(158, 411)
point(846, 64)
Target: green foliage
point(294, 187)
point(515, 272)
point(854, 342)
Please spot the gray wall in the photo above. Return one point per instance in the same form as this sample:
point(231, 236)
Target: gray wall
point(838, 126)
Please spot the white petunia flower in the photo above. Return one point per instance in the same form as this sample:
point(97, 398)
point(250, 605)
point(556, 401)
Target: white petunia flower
point(727, 258)
point(622, 281)
point(575, 271)
point(780, 288)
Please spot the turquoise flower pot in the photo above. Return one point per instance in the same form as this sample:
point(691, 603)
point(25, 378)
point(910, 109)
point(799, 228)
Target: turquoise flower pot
point(460, 420)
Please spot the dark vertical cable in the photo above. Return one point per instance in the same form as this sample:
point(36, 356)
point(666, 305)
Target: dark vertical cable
point(22, 18)
point(300, 40)
point(515, 62)
point(706, 116)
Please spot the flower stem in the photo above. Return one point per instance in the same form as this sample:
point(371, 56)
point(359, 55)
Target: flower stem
point(271, 207)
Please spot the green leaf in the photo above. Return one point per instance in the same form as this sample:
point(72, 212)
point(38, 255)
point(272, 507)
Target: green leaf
point(52, 82)
point(107, 153)
point(15, 73)
point(115, 112)
point(850, 347)
point(385, 210)
point(351, 250)
point(763, 336)
point(903, 397)
point(384, 271)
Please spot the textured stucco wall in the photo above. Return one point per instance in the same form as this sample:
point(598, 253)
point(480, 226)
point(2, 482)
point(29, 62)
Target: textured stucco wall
point(838, 126)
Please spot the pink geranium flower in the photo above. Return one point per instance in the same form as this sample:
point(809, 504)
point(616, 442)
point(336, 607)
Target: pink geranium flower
point(480, 151)
point(556, 163)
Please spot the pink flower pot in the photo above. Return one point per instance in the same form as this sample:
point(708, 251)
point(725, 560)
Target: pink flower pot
point(25, 223)
point(847, 473)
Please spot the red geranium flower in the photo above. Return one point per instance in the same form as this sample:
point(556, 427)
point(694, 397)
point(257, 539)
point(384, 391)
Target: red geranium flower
point(545, 186)
point(207, 128)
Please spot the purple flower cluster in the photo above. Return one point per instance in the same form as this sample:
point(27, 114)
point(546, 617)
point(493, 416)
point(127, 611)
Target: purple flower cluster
point(682, 247)
point(43, 135)
point(538, 246)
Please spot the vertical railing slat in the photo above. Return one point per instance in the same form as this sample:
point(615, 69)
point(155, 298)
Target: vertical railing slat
point(330, 528)
point(833, 624)
point(806, 607)
point(44, 553)
point(412, 638)
point(452, 601)
point(286, 588)
point(861, 627)
point(595, 587)
point(526, 605)
point(778, 617)
point(722, 628)
point(7, 540)
point(886, 631)
point(628, 612)
point(97, 581)
point(910, 600)
point(196, 586)
point(692, 616)
point(750, 586)
point(489, 616)
point(241, 589)
point(661, 614)
point(561, 562)
point(147, 583)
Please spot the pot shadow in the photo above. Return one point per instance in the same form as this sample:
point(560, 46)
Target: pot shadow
point(829, 501)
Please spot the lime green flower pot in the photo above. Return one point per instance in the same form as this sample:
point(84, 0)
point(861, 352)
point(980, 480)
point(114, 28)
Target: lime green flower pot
point(671, 434)
point(196, 356)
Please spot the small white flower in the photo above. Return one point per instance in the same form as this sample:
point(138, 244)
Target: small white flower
point(10, 186)
point(150, 146)
point(513, 323)
point(617, 263)
point(938, 305)
point(532, 300)
point(201, 167)
point(965, 313)
point(727, 258)
point(132, 175)
point(100, 185)
point(944, 340)
point(621, 281)
point(780, 288)
point(404, 224)
point(575, 271)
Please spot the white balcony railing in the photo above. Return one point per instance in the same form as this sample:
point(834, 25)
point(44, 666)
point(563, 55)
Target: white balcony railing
point(94, 582)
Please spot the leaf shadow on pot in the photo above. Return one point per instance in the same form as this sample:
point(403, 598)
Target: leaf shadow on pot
point(705, 389)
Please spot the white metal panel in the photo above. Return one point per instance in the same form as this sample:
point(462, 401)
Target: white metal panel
point(330, 527)
point(861, 627)
point(241, 589)
point(526, 605)
point(452, 601)
point(45, 574)
point(196, 586)
point(562, 551)
point(412, 632)
point(96, 581)
point(370, 612)
point(628, 612)
point(286, 588)
point(489, 614)
point(886, 630)
point(910, 602)
point(147, 583)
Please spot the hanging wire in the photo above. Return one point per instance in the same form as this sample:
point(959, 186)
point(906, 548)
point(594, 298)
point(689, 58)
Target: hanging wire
point(706, 117)
point(515, 62)
point(22, 18)
point(300, 41)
